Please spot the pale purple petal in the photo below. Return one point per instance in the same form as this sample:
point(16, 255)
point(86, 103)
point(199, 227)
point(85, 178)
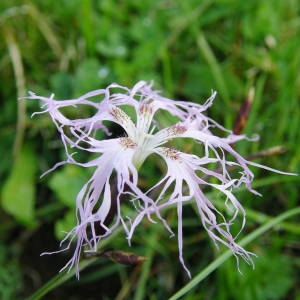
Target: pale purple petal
point(118, 160)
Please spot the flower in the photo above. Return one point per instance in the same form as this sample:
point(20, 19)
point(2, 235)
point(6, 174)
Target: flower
point(118, 160)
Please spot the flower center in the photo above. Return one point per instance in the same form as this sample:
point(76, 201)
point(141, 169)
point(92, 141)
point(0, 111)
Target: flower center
point(177, 129)
point(127, 142)
point(170, 153)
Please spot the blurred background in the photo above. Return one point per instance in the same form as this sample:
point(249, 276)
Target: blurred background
point(187, 48)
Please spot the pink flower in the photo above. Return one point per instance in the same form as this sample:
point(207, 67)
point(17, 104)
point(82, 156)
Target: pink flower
point(119, 159)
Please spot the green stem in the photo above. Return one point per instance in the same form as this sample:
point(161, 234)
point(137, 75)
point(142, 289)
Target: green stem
point(64, 276)
point(58, 280)
point(221, 259)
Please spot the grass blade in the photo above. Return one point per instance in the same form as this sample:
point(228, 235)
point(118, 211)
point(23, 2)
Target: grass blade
point(221, 259)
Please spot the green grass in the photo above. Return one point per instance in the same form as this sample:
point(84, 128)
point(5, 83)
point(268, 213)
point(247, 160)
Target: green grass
point(187, 48)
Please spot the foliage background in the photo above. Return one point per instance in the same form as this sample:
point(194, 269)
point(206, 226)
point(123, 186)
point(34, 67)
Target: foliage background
point(187, 48)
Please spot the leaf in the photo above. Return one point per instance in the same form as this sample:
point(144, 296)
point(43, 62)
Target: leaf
point(66, 183)
point(18, 193)
point(65, 224)
point(263, 282)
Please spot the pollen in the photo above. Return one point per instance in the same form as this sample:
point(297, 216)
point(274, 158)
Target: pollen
point(119, 115)
point(127, 143)
point(177, 129)
point(171, 153)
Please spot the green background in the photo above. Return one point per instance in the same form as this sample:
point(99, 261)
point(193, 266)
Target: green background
point(188, 48)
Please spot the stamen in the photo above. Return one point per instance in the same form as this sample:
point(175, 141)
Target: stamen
point(145, 108)
point(171, 153)
point(119, 115)
point(127, 143)
point(177, 129)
